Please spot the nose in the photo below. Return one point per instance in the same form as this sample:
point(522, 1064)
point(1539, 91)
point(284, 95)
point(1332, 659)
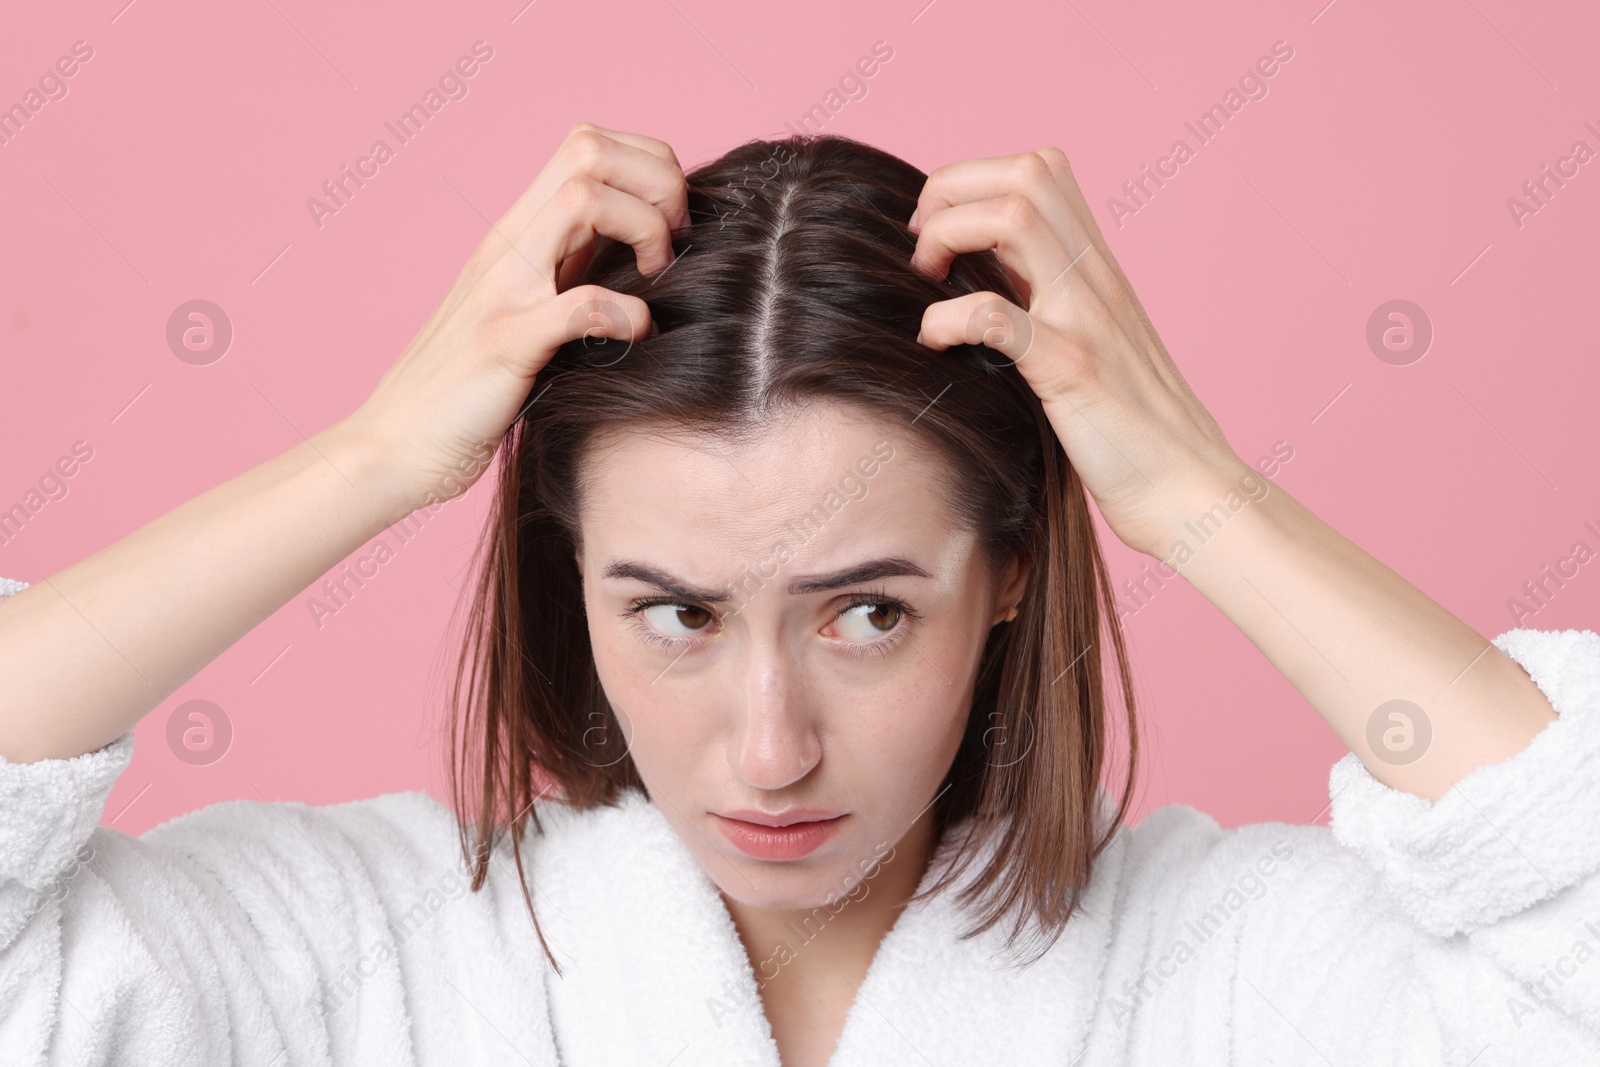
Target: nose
point(776, 740)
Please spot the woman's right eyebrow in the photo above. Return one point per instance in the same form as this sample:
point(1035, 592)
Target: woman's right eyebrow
point(643, 572)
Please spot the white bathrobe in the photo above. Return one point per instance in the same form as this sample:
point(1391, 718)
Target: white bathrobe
point(282, 935)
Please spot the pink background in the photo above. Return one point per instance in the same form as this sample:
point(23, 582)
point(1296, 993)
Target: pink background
point(1378, 166)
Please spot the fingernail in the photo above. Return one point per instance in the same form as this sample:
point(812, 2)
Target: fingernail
point(915, 215)
point(919, 337)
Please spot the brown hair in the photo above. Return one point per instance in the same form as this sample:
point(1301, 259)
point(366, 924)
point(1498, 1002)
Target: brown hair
point(793, 286)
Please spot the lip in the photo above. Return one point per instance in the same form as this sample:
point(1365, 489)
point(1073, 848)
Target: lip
point(793, 815)
point(790, 836)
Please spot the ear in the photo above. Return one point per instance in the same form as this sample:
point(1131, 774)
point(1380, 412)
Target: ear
point(1014, 579)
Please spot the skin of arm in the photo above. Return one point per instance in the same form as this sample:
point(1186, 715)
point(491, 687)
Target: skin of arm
point(86, 652)
point(1347, 632)
point(1351, 635)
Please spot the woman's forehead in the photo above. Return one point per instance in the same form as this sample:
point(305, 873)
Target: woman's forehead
point(797, 467)
point(809, 497)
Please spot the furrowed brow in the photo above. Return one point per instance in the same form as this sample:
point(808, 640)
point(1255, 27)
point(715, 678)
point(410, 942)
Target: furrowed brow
point(643, 572)
point(871, 570)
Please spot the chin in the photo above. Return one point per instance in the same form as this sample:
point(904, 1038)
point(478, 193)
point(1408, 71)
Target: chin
point(846, 872)
point(785, 888)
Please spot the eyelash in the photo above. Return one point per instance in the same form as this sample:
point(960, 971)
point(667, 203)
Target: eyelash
point(877, 597)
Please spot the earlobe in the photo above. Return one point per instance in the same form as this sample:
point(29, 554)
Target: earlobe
point(1013, 580)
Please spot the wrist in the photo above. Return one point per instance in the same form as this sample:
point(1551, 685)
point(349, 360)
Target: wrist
point(1240, 518)
point(365, 459)
point(1213, 503)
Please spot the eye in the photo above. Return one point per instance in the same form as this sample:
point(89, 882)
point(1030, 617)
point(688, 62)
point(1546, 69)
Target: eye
point(874, 623)
point(869, 619)
point(870, 623)
point(672, 619)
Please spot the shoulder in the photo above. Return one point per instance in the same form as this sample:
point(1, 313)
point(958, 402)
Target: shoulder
point(402, 823)
point(1181, 843)
point(1196, 906)
point(309, 864)
point(401, 842)
point(1181, 867)
point(1179, 839)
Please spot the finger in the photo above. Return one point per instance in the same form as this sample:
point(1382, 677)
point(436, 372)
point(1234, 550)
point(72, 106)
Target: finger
point(1106, 276)
point(675, 207)
point(586, 311)
point(1050, 360)
point(655, 175)
point(573, 266)
point(983, 179)
point(638, 140)
point(582, 209)
point(983, 318)
point(646, 169)
point(1082, 255)
point(1010, 224)
point(1045, 177)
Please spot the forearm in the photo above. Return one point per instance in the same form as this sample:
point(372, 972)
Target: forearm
point(86, 652)
point(1351, 635)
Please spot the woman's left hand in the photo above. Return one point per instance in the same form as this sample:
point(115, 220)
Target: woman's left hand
point(1146, 449)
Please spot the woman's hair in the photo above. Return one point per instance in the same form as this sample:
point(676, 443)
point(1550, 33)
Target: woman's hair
point(793, 286)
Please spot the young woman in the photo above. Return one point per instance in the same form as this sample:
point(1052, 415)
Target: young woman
point(781, 726)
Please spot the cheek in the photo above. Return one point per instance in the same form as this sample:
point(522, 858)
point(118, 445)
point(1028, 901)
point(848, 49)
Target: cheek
point(661, 752)
point(902, 731)
point(930, 715)
point(627, 675)
point(668, 731)
point(914, 738)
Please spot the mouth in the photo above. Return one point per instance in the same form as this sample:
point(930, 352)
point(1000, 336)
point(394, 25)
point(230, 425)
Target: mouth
point(790, 836)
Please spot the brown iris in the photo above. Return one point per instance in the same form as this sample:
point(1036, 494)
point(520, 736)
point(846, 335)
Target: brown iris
point(691, 610)
point(890, 610)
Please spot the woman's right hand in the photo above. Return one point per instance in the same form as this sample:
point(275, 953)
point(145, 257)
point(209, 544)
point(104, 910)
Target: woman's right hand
point(92, 648)
point(440, 411)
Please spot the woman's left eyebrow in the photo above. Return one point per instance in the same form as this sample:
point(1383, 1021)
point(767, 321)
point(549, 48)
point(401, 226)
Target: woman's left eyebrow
point(871, 570)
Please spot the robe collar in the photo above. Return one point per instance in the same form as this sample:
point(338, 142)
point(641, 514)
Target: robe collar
point(655, 972)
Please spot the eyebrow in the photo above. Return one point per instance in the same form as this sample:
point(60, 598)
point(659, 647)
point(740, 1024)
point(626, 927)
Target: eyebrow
point(887, 567)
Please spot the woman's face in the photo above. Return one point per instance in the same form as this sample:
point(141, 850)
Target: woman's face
point(796, 624)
